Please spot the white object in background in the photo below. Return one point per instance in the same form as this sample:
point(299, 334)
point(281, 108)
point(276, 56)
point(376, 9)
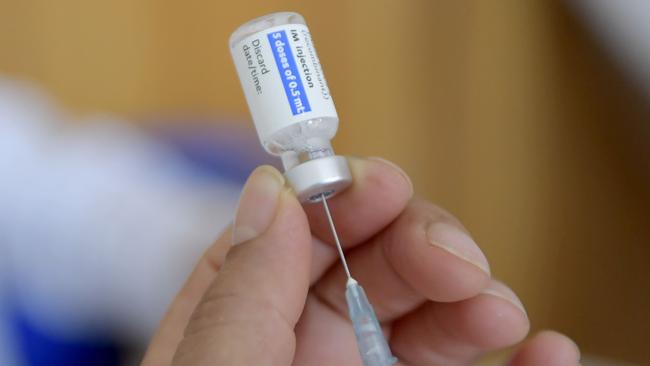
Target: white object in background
point(290, 102)
point(7, 342)
point(624, 27)
point(99, 223)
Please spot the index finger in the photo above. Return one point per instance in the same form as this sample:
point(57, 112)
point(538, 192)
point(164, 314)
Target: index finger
point(379, 192)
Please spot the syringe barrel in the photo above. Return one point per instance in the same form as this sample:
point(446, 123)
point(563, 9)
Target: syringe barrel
point(372, 344)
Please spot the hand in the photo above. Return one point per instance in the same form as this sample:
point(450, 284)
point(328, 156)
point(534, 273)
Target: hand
point(271, 292)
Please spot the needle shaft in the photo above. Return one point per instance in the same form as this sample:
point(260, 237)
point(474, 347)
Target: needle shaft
point(336, 237)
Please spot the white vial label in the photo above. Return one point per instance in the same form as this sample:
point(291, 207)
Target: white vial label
point(282, 78)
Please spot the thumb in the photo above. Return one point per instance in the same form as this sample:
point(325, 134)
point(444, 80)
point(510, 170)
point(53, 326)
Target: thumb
point(248, 314)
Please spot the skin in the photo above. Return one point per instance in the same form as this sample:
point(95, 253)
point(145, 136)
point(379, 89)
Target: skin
point(270, 291)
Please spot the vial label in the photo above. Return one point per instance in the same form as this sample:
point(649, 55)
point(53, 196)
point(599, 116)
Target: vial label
point(286, 64)
point(282, 78)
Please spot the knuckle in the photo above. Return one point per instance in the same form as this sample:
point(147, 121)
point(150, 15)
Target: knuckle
point(420, 209)
point(226, 310)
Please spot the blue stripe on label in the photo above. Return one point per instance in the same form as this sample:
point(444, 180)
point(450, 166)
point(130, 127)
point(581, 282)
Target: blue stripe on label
point(291, 80)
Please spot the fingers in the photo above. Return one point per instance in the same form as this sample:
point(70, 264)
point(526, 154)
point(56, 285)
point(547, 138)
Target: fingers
point(248, 313)
point(170, 332)
point(373, 175)
point(442, 262)
point(379, 192)
point(547, 348)
point(397, 280)
point(423, 255)
point(455, 333)
point(322, 257)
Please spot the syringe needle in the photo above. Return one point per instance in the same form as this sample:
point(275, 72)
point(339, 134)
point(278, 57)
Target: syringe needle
point(336, 237)
point(373, 348)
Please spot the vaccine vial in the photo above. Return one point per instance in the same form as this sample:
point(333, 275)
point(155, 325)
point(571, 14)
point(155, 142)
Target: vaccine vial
point(290, 103)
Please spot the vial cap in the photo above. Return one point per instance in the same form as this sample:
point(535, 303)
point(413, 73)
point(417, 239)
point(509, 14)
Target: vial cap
point(316, 178)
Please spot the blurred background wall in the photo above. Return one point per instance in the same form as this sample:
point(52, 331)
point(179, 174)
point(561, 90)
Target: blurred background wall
point(508, 113)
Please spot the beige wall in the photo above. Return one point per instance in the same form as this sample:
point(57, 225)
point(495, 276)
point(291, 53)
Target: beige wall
point(505, 112)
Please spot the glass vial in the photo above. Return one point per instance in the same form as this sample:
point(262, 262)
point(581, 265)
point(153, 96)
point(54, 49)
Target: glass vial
point(290, 102)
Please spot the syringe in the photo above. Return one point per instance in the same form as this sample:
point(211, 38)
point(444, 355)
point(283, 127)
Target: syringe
point(372, 344)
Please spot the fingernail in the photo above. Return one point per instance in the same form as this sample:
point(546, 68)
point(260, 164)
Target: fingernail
point(257, 204)
point(396, 167)
point(504, 292)
point(456, 242)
